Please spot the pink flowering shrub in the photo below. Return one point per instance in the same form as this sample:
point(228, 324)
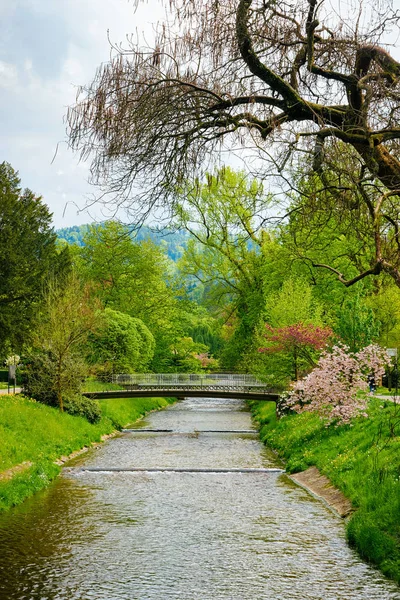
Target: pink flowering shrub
point(331, 388)
point(207, 362)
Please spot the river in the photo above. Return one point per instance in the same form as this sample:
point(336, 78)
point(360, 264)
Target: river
point(125, 535)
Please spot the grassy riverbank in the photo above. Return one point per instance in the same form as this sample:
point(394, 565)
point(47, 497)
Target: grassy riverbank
point(33, 436)
point(362, 460)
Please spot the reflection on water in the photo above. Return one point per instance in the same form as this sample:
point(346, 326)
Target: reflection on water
point(181, 535)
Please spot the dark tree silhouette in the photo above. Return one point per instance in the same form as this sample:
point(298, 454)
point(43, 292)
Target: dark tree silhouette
point(28, 256)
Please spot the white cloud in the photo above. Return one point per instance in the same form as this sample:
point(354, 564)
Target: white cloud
point(72, 68)
point(39, 77)
point(8, 75)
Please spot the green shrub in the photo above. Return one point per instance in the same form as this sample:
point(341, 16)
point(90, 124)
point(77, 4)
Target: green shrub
point(40, 377)
point(80, 406)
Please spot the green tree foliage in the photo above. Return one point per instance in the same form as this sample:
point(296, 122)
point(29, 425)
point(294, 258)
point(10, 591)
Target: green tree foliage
point(294, 303)
point(57, 368)
point(28, 254)
point(385, 306)
point(138, 279)
point(41, 376)
point(334, 246)
point(317, 233)
point(356, 324)
point(205, 331)
point(224, 217)
point(129, 277)
point(123, 344)
point(359, 218)
point(73, 235)
point(170, 240)
point(185, 355)
point(231, 253)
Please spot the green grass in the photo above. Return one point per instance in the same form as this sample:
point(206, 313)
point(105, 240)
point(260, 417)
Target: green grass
point(33, 432)
point(95, 385)
point(383, 391)
point(362, 460)
point(124, 411)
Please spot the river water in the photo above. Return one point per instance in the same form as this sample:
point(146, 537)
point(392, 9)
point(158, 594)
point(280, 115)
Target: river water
point(124, 535)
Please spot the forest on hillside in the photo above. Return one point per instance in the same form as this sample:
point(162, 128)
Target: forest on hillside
point(172, 241)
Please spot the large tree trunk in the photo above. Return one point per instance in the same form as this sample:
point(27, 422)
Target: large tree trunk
point(382, 164)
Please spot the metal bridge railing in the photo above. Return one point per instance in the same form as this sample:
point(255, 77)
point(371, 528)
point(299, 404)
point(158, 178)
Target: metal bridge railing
point(168, 380)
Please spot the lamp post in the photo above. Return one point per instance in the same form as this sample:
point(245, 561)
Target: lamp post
point(12, 363)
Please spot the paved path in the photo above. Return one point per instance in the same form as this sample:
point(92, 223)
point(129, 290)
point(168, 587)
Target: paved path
point(5, 391)
point(392, 398)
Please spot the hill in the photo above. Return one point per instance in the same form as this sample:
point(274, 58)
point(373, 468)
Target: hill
point(173, 241)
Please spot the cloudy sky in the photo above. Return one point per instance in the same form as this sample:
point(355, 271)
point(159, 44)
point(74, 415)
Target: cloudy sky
point(47, 49)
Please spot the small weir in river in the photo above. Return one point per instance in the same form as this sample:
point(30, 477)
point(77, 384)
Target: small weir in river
point(187, 505)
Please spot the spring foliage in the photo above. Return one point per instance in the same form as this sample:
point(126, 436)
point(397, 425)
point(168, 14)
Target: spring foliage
point(122, 345)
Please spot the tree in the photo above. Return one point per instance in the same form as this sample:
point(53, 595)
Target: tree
point(135, 278)
point(345, 203)
point(28, 255)
point(356, 324)
point(122, 344)
point(129, 277)
point(293, 82)
point(233, 256)
point(293, 303)
point(187, 355)
point(385, 305)
point(205, 330)
point(228, 246)
point(284, 309)
point(68, 315)
point(300, 341)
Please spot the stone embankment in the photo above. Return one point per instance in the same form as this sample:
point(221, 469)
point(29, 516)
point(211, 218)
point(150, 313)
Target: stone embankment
point(321, 488)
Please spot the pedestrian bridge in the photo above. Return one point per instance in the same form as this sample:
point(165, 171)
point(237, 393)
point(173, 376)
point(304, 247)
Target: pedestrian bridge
point(181, 385)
